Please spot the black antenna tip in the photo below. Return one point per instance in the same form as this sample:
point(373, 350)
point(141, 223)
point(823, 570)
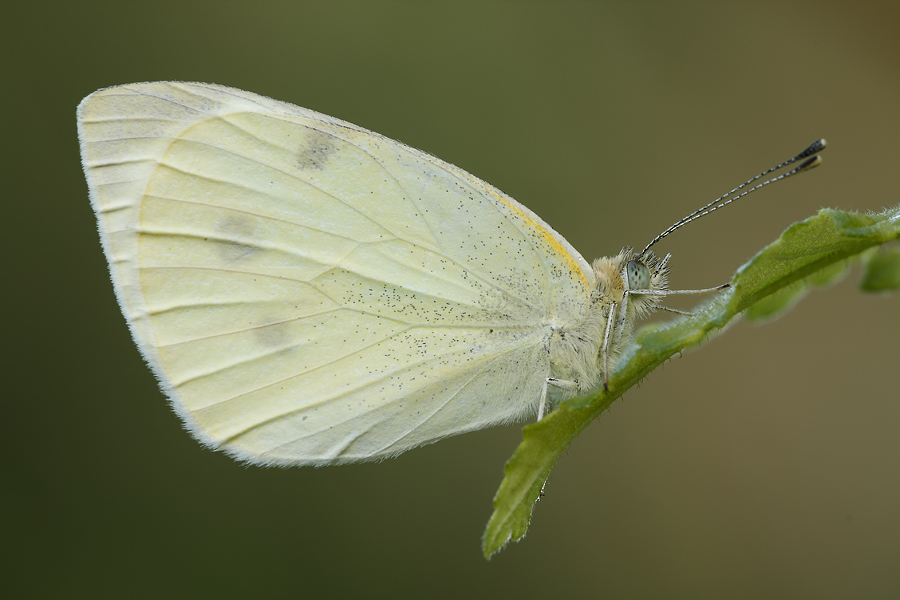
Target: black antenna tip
point(816, 146)
point(811, 163)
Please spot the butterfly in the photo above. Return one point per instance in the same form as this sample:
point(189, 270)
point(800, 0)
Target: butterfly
point(308, 292)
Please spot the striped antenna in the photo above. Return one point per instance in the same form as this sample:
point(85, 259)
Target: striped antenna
point(806, 165)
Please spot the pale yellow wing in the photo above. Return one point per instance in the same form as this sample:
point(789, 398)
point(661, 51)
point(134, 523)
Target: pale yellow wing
point(309, 292)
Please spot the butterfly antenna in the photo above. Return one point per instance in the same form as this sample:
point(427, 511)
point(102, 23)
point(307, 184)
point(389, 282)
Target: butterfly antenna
point(815, 161)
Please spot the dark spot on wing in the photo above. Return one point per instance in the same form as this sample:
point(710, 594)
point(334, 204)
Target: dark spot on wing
point(315, 150)
point(239, 234)
point(273, 335)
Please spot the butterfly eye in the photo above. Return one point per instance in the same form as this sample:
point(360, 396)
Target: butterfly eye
point(637, 276)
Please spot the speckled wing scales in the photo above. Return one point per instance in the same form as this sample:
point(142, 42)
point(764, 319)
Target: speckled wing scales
point(308, 292)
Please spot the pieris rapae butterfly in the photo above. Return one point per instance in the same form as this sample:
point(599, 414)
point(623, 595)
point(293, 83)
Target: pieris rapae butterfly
point(309, 292)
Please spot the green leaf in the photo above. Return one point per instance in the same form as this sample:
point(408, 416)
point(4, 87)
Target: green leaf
point(786, 298)
point(882, 272)
point(812, 251)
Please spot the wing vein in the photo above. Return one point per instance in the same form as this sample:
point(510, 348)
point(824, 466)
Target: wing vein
point(385, 376)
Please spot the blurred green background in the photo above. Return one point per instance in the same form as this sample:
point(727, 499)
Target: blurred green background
point(765, 464)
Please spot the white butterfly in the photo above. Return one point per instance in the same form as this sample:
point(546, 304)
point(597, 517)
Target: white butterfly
point(309, 292)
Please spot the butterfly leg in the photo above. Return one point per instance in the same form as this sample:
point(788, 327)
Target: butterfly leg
point(542, 407)
point(564, 384)
point(676, 311)
point(604, 350)
point(724, 286)
point(671, 292)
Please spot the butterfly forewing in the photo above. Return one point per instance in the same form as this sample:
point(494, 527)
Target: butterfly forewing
point(309, 292)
